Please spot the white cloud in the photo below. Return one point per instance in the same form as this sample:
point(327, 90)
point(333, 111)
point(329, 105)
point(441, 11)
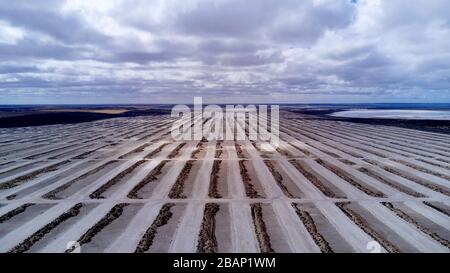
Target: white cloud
point(10, 34)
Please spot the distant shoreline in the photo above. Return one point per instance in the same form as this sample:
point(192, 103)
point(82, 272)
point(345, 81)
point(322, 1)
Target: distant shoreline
point(27, 116)
point(437, 126)
point(41, 118)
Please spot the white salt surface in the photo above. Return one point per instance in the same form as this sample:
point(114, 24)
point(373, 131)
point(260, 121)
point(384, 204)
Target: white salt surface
point(395, 114)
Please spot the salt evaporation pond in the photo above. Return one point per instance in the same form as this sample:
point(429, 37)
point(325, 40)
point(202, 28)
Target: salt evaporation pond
point(395, 114)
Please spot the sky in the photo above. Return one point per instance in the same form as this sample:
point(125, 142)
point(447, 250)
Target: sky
point(227, 51)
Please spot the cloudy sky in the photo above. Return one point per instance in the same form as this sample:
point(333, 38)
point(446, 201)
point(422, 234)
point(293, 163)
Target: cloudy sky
point(140, 51)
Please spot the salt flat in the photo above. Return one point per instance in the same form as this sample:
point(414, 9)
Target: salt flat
point(123, 185)
point(395, 114)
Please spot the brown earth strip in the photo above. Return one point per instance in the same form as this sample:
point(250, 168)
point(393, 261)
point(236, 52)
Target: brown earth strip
point(443, 160)
point(207, 242)
point(219, 144)
point(206, 120)
point(85, 154)
point(364, 225)
point(18, 150)
point(325, 151)
point(67, 153)
point(391, 183)
point(418, 149)
point(310, 226)
point(155, 132)
point(278, 178)
point(371, 161)
point(199, 148)
point(38, 235)
point(313, 137)
point(249, 187)
point(432, 186)
point(239, 151)
point(284, 152)
point(156, 151)
point(340, 173)
point(52, 194)
point(94, 139)
point(387, 149)
point(6, 163)
point(315, 181)
point(422, 169)
point(14, 212)
point(48, 152)
point(97, 194)
point(24, 178)
point(260, 229)
point(135, 151)
point(306, 152)
point(163, 217)
point(219, 148)
point(196, 152)
point(176, 151)
point(11, 197)
point(420, 227)
point(439, 208)
point(20, 167)
point(112, 215)
point(339, 148)
point(214, 180)
point(258, 148)
point(434, 163)
point(369, 151)
point(150, 177)
point(177, 190)
point(348, 162)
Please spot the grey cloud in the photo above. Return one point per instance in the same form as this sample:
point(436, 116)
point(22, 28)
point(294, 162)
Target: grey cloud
point(236, 50)
point(142, 57)
point(304, 24)
point(228, 18)
point(68, 28)
point(13, 69)
point(226, 46)
point(250, 60)
point(32, 49)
